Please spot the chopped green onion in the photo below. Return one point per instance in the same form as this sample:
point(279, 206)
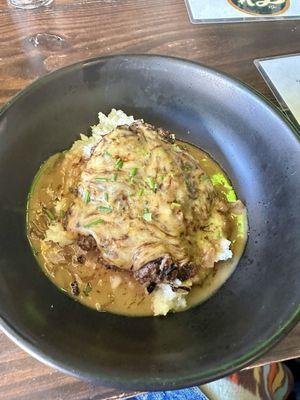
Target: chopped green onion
point(133, 172)
point(220, 179)
point(152, 184)
point(101, 179)
point(204, 178)
point(105, 209)
point(87, 289)
point(231, 196)
point(106, 196)
point(188, 184)
point(107, 153)
point(187, 168)
point(119, 163)
point(86, 197)
point(93, 223)
point(114, 178)
point(176, 205)
point(62, 214)
point(147, 216)
point(49, 214)
point(141, 192)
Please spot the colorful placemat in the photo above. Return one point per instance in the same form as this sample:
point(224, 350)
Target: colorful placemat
point(269, 382)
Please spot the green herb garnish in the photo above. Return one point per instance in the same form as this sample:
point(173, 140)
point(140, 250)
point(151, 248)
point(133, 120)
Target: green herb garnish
point(114, 178)
point(176, 205)
point(106, 196)
point(119, 163)
point(93, 223)
point(105, 209)
point(87, 289)
point(204, 178)
point(133, 172)
point(86, 197)
point(141, 192)
point(152, 184)
point(62, 214)
point(188, 184)
point(107, 153)
point(187, 168)
point(147, 216)
point(220, 179)
point(101, 179)
point(49, 214)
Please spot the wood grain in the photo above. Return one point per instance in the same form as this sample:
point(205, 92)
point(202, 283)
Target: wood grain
point(287, 349)
point(24, 378)
point(35, 42)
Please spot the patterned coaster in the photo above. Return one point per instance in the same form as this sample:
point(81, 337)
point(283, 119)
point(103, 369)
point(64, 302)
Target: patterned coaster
point(207, 11)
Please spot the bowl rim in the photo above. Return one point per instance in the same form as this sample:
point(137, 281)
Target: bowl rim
point(156, 384)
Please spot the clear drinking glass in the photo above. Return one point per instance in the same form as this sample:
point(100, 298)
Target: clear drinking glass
point(29, 4)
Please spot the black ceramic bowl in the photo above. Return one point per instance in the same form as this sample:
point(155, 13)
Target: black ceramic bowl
point(251, 141)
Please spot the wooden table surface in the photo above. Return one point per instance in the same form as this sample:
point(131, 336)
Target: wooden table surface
point(35, 42)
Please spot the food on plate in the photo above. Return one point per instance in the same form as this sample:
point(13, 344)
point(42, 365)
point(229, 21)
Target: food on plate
point(131, 221)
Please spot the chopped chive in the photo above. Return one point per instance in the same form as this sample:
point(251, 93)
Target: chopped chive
point(204, 178)
point(107, 153)
point(133, 172)
point(231, 196)
point(62, 214)
point(105, 209)
point(106, 196)
point(187, 168)
point(119, 163)
point(141, 192)
point(176, 205)
point(86, 197)
point(93, 223)
point(87, 289)
point(147, 216)
point(152, 184)
point(49, 214)
point(114, 178)
point(101, 179)
point(188, 184)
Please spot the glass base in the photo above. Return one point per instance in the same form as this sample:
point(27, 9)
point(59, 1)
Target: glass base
point(29, 4)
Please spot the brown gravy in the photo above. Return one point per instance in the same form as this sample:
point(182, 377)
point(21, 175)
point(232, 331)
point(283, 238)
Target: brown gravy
point(117, 291)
